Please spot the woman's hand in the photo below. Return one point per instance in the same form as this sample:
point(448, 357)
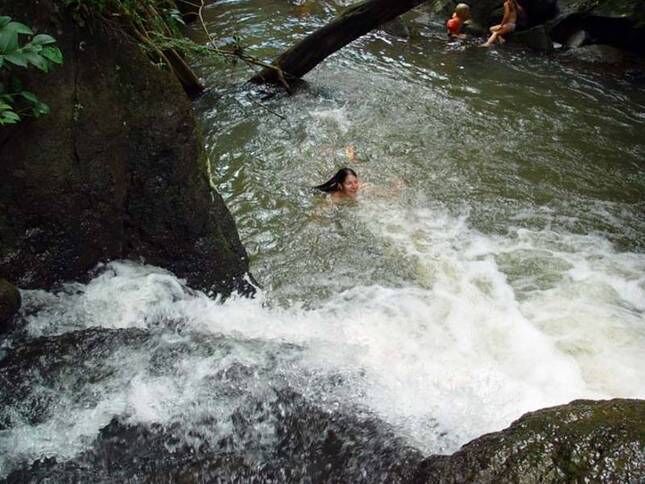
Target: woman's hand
point(350, 152)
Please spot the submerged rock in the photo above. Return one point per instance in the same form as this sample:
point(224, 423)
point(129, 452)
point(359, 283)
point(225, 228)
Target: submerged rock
point(597, 54)
point(584, 441)
point(396, 28)
point(241, 421)
point(116, 170)
point(245, 422)
point(9, 304)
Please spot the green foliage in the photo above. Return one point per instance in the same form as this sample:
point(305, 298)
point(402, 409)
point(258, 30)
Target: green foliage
point(39, 52)
point(146, 21)
point(157, 26)
point(149, 15)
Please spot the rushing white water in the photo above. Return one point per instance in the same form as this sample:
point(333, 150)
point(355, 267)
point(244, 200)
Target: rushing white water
point(460, 352)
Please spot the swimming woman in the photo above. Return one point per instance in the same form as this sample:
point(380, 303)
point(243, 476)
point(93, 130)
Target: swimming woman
point(343, 185)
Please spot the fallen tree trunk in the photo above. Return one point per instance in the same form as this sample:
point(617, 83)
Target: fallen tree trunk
point(316, 47)
point(189, 80)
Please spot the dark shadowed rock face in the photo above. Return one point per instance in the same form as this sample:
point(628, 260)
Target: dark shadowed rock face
point(584, 441)
point(9, 304)
point(536, 38)
point(619, 23)
point(116, 170)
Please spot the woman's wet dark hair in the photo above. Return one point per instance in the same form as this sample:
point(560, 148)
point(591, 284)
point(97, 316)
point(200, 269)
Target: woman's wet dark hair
point(334, 183)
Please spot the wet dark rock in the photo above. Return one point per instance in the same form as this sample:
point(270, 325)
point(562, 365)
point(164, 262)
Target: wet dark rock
point(275, 435)
point(116, 170)
point(441, 8)
point(36, 375)
point(536, 38)
point(597, 54)
point(584, 441)
point(605, 8)
point(619, 23)
point(307, 444)
point(9, 304)
point(396, 28)
point(539, 11)
point(636, 76)
point(280, 435)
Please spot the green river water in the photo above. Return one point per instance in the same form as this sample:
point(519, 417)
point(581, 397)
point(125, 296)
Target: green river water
point(509, 269)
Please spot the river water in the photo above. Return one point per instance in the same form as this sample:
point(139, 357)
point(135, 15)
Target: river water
point(495, 265)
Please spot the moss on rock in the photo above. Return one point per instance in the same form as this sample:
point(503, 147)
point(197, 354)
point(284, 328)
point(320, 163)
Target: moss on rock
point(584, 441)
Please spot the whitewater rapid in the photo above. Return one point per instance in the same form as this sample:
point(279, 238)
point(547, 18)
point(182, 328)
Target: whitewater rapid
point(462, 350)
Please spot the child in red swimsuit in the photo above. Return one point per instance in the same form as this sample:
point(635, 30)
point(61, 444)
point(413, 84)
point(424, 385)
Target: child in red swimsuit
point(456, 22)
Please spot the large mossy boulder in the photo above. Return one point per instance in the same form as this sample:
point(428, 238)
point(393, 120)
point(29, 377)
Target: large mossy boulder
point(9, 304)
point(116, 170)
point(584, 441)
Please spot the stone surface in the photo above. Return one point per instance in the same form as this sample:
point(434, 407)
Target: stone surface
point(620, 23)
point(597, 54)
point(272, 435)
point(584, 441)
point(272, 432)
point(536, 38)
point(116, 170)
point(9, 304)
point(539, 11)
point(605, 8)
point(396, 28)
point(577, 39)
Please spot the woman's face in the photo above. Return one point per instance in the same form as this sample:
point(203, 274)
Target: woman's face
point(350, 186)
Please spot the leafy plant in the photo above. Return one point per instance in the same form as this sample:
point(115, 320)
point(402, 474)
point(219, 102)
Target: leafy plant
point(157, 26)
point(39, 52)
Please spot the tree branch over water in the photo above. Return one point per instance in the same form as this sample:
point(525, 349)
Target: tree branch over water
point(343, 29)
